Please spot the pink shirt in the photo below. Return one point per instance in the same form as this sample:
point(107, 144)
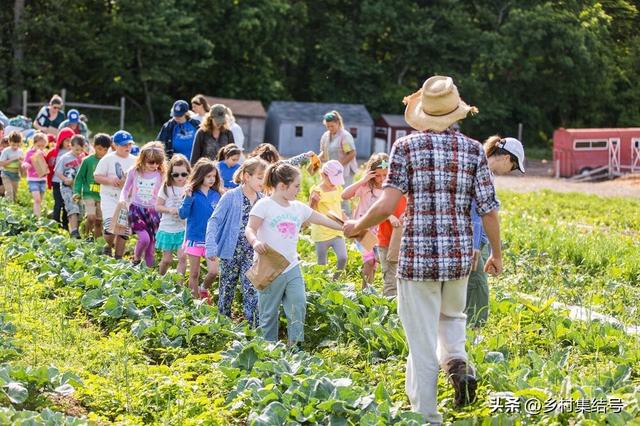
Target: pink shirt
point(31, 171)
point(141, 189)
point(366, 197)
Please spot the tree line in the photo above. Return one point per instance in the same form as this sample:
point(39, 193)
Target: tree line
point(546, 64)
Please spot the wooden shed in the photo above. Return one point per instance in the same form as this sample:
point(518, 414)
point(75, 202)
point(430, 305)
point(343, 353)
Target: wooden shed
point(580, 151)
point(391, 127)
point(249, 114)
point(296, 127)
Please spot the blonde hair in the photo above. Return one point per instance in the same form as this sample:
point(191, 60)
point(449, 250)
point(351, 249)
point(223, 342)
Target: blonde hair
point(39, 136)
point(208, 125)
point(178, 160)
point(251, 167)
point(377, 161)
point(280, 172)
point(151, 151)
point(335, 117)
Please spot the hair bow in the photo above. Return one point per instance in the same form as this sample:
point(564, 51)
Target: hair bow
point(384, 164)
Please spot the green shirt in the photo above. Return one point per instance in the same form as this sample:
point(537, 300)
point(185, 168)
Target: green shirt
point(85, 185)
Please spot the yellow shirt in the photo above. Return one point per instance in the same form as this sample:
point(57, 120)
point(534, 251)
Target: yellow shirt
point(329, 202)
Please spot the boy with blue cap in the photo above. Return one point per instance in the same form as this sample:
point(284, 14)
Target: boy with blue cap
point(74, 122)
point(178, 133)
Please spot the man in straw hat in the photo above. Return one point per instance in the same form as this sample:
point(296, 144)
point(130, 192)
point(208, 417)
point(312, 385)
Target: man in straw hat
point(441, 171)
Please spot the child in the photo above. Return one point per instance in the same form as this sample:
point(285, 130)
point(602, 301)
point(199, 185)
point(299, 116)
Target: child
point(275, 221)
point(368, 189)
point(110, 175)
point(10, 161)
point(171, 230)
point(4, 144)
point(228, 158)
point(202, 193)
point(140, 192)
point(270, 154)
point(226, 238)
point(63, 144)
point(325, 198)
point(66, 170)
point(389, 267)
point(37, 184)
point(86, 189)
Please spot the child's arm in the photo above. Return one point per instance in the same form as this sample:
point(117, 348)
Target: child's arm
point(320, 219)
point(350, 191)
point(125, 194)
point(314, 199)
point(81, 178)
point(217, 219)
point(185, 208)
point(251, 232)
point(26, 164)
point(161, 208)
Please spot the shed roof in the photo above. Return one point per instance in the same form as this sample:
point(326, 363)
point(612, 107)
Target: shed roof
point(240, 107)
point(315, 111)
point(395, 120)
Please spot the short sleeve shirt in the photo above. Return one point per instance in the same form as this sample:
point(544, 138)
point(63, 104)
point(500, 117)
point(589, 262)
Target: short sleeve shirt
point(329, 202)
point(441, 173)
point(172, 196)
point(112, 165)
point(281, 226)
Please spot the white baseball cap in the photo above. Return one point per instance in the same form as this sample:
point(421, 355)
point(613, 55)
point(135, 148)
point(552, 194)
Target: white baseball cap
point(514, 147)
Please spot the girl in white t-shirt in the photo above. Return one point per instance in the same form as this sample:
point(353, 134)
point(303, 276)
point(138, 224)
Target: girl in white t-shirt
point(275, 221)
point(170, 234)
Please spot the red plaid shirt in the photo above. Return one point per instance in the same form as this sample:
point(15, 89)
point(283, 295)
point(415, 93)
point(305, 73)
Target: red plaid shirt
point(441, 173)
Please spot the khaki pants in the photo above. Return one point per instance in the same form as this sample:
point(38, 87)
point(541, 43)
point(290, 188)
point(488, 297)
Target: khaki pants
point(389, 269)
point(434, 322)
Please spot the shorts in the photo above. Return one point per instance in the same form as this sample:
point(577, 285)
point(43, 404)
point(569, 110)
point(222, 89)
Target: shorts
point(106, 225)
point(67, 196)
point(169, 241)
point(194, 248)
point(367, 256)
point(92, 207)
point(37, 186)
point(12, 176)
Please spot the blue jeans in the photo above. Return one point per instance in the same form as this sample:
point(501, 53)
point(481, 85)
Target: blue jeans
point(288, 289)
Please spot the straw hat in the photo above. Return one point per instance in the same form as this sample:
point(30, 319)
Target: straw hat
point(436, 106)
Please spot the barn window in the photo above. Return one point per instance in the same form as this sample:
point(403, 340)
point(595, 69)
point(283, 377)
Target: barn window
point(354, 132)
point(298, 131)
point(583, 144)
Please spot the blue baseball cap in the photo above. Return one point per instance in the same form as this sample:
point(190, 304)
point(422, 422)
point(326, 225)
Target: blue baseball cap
point(135, 150)
point(122, 138)
point(179, 108)
point(74, 116)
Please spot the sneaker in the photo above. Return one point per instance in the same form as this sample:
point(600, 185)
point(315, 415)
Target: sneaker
point(462, 378)
point(106, 251)
point(75, 234)
point(88, 240)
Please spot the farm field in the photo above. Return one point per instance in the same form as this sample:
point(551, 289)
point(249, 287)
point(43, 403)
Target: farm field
point(88, 340)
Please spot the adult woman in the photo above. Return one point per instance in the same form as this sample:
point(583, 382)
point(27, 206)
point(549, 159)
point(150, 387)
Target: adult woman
point(337, 144)
point(503, 156)
point(50, 116)
point(179, 132)
point(212, 135)
point(199, 107)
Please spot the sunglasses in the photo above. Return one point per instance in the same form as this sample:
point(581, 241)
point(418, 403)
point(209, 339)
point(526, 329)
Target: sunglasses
point(176, 175)
point(153, 162)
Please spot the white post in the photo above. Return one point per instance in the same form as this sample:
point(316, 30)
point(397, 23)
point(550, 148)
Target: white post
point(520, 132)
point(24, 102)
point(121, 112)
point(557, 169)
point(63, 94)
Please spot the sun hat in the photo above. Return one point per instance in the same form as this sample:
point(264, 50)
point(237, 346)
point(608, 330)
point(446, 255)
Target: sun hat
point(74, 116)
point(514, 147)
point(436, 106)
point(334, 171)
point(179, 108)
point(218, 113)
point(122, 138)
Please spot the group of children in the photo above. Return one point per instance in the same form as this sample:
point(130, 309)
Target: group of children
point(221, 211)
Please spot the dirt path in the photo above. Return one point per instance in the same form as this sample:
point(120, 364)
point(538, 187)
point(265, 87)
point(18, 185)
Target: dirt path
point(537, 178)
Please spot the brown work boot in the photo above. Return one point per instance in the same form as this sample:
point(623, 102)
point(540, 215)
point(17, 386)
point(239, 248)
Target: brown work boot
point(463, 379)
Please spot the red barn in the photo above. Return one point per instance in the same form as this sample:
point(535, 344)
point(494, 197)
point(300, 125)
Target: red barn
point(391, 127)
point(577, 151)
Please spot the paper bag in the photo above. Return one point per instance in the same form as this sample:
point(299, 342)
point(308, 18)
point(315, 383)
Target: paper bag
point(394, 244)
point(120, 219)
point(314, 164)
point(39, 164)
point(266, 268)
point(366, 239)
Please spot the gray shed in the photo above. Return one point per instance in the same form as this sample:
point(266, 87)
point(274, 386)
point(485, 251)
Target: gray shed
point(296, 127)
point(250, 115)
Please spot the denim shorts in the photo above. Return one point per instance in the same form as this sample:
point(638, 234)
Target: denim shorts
point(37, 186)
